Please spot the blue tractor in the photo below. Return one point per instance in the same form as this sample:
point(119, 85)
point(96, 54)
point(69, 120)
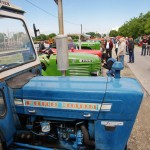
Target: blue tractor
point(39, 112)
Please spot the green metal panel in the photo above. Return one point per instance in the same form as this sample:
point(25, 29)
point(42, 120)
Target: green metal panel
point(80, 64)
point(89, 45)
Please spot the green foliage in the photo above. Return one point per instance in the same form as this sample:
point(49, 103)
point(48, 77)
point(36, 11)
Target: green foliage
point(74, 37)
point(92, 34)
point(43, 37)
point(97, 35)
point(103, 35)
point(52, 35)
point(136, 26)
point(113, 33)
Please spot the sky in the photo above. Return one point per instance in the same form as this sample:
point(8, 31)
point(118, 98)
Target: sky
point(95, 15)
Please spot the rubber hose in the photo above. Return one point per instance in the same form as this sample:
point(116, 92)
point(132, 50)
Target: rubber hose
point(87, 141)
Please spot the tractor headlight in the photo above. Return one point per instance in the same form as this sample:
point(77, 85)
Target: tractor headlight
point(96, 73)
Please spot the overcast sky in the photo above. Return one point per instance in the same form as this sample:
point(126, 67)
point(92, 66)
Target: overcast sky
point(95, 15)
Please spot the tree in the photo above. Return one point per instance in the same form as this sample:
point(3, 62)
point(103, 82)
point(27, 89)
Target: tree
point(136, 26)
point(147, 28)
point(98, 35)
point(41, 37)
point(51, 35)
point(113, 33)
point(92, 34)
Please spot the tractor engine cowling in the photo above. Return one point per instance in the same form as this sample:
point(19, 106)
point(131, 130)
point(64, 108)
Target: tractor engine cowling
point(77, 113)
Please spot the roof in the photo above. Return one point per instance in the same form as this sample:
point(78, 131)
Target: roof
point(6, 5)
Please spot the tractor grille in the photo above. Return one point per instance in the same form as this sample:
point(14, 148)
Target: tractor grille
point(80, 70)
point(96, 67)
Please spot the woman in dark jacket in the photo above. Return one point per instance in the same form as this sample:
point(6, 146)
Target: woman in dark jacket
point(108, 46)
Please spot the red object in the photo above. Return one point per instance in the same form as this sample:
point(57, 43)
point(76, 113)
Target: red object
point(94, 52)
point(110, 44)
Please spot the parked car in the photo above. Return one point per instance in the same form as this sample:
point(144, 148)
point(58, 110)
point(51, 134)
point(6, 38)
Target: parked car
point(80, 64)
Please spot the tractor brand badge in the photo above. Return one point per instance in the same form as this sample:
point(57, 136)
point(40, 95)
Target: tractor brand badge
point(112, 123)
point(68, 105)
point(85, 60)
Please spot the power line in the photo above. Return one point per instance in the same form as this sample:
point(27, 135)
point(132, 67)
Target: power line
point(49, 13)
point(41, 9)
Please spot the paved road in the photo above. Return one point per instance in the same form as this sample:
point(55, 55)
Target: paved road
point(141, 68)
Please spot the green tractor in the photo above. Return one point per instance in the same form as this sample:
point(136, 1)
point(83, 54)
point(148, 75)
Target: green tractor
point(89, 45)
point(80, 64)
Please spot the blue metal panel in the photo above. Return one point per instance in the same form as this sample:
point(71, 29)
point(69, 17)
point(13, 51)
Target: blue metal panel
point(89, 89)
point(63, 89)
point(7, 122)
point(125, 95)
point(112, 140)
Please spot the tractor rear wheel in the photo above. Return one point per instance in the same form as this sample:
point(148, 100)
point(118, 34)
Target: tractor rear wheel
point(1, 145)
point(126, 147)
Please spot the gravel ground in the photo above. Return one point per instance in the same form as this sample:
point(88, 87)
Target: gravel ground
point(140, 136)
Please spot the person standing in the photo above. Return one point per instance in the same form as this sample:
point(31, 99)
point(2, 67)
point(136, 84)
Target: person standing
point(148, 46)
point(108, 46)
point(144, 44)
point(121, 50)
point(127, 42)
point(116, 46)
point(41, 46)
point(131, 50)
point(71, 45)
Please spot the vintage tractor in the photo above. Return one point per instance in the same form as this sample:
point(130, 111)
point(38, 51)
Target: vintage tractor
point(43, 113)
point(89, 45)
point(80, 64)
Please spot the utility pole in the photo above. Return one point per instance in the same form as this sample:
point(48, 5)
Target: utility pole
point(81, 29)
point(80, 38)
point(61, 42)
point(60, 17)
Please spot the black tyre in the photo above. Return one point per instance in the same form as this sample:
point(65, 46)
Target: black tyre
point(126, 147)
point(1, 145)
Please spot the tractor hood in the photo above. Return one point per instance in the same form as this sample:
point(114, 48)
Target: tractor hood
point(72, 97)
point(80, 98)
point(75, 57)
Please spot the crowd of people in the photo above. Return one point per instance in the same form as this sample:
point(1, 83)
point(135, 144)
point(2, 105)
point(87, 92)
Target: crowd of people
point(122, 46)
point(119, 45)
point(145, 46)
